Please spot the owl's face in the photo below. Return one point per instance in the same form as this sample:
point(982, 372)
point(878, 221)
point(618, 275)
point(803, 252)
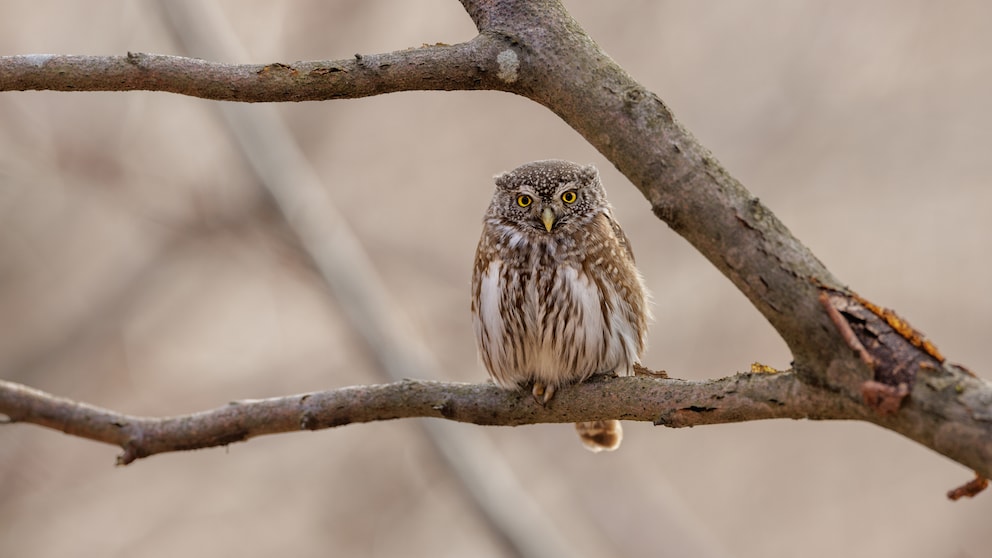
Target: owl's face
point(549, 197)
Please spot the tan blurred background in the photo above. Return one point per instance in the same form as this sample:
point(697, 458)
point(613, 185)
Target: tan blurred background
point(143, 269)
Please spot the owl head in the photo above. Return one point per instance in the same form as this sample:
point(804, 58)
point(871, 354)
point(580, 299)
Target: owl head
point(549, 196)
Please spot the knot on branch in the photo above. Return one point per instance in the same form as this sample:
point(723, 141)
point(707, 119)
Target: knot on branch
point(509, 64)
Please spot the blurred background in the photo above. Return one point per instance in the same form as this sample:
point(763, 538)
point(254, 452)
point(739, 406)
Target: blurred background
point(143, 268)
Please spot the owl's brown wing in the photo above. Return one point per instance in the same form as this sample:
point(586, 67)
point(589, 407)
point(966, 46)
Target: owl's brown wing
point(622, 238)
point(483, 256)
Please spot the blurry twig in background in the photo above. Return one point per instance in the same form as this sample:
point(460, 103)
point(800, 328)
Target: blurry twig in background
point(99, 318)
point(272, 153)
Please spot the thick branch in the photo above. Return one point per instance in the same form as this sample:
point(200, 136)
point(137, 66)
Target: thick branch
point(561, 67)
point(668, 402)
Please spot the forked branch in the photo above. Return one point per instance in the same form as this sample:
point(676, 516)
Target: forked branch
point(853, 358)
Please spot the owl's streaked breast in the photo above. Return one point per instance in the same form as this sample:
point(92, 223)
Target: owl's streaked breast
point(546, 308)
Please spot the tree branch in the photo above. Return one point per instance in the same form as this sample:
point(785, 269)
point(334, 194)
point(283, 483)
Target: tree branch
point(946, 414)
point(469, 65)
point(860, 360)
point(667, 402)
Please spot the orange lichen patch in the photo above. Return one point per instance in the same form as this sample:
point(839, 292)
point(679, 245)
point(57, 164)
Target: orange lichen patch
point(758, 368)
point(901, 327)
point(969, 489)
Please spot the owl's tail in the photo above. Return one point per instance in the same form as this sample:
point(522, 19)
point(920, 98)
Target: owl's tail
point(600, 435)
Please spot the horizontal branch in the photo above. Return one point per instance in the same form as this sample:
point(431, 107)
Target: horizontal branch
point(668, 402)
point(475, 64)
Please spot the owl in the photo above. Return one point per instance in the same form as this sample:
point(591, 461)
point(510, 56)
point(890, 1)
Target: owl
point(555, 294)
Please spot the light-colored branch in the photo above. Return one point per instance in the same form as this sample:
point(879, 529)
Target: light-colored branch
point(945, 412)
point(469, 65)
point(668, 402)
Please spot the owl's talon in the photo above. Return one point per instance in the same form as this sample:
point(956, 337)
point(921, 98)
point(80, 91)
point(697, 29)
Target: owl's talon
point(549, 392)
point(543, 393)
point(538, 392)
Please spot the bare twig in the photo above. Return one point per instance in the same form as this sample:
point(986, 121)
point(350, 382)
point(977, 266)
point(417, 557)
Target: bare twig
point(970, 489)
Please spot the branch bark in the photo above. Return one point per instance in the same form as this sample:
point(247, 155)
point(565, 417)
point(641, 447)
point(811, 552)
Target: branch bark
point(469, 65)
point(847, 350)
point(666, 402)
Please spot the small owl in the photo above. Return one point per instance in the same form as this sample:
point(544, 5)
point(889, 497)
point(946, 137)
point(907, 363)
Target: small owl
point(555, 294)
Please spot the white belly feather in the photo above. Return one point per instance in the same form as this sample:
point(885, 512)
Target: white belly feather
point(554, 349)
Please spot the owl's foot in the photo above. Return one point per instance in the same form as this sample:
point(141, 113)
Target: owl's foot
point(543, 393)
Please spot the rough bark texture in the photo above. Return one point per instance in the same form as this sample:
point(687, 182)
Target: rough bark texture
point(470, 65)
point(535, 49)
point(667, 402)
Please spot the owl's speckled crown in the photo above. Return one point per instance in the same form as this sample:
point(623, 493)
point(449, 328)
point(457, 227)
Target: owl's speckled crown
point(545, 176)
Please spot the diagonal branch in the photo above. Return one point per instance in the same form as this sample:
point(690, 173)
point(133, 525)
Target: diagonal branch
point(668, 402)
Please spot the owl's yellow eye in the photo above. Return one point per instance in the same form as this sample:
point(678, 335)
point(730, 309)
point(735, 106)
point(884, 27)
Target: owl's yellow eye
point(524, 200)
point(569, 196)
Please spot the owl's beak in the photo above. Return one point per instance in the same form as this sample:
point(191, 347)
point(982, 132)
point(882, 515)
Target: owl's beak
point(548, 218)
